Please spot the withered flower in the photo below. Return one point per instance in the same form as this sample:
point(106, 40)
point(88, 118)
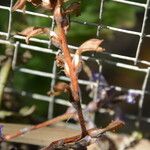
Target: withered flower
point(33, 31)
point(20, 4)
point(73, 8)
point(90, 45)
point(59, 88)
point(47, 4)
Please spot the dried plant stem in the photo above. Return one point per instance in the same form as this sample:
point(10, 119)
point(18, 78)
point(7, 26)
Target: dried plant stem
point(74, 80)
point(68, 60)
point(81, 119)
point(41, 125)
point(75, 140)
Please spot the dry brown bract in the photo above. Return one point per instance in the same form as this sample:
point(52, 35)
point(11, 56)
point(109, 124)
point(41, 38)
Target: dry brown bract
point(76, 143)
point(47, 4)
point(20, 4)
point(89, 45)
point(73, 8)
point(33, 31)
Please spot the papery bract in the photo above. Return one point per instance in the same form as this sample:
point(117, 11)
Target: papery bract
point(73, 8)
point(47, 4)
point(20, 4)
point(33, 31)
point(90, 45)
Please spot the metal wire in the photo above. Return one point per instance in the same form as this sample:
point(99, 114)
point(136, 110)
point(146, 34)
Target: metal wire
point(6, 40)
point(10, 20)
point(142, 31)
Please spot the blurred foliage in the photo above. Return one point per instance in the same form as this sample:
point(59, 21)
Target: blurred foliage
point(121, 15)
point(114, 14)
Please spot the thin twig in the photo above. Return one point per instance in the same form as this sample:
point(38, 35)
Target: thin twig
point(65, 116)
point(93, 134)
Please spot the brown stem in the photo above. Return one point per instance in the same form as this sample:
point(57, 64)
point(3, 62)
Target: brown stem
point(41, 125)
point(68, 59)
point(72, 73)
point(78, 107)
point(54, 145)
point(74, 79)
point(93, 133)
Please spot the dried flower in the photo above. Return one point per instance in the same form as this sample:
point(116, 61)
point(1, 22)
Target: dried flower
point(20, 4)
point(89, 45)
point(33, 31)
point(73, 8)
point(60, 59)
point(59, 88)
point(47, 4)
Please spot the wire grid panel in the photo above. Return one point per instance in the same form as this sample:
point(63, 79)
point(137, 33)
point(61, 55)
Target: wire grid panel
point(48, 50)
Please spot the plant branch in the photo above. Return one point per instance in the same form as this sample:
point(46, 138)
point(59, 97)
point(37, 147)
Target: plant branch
point(68, 60)
point(77, 141)
point(81, 118)
point(58, 16)
point(65, 116)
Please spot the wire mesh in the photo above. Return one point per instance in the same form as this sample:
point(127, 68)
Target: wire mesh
point(118, 64)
